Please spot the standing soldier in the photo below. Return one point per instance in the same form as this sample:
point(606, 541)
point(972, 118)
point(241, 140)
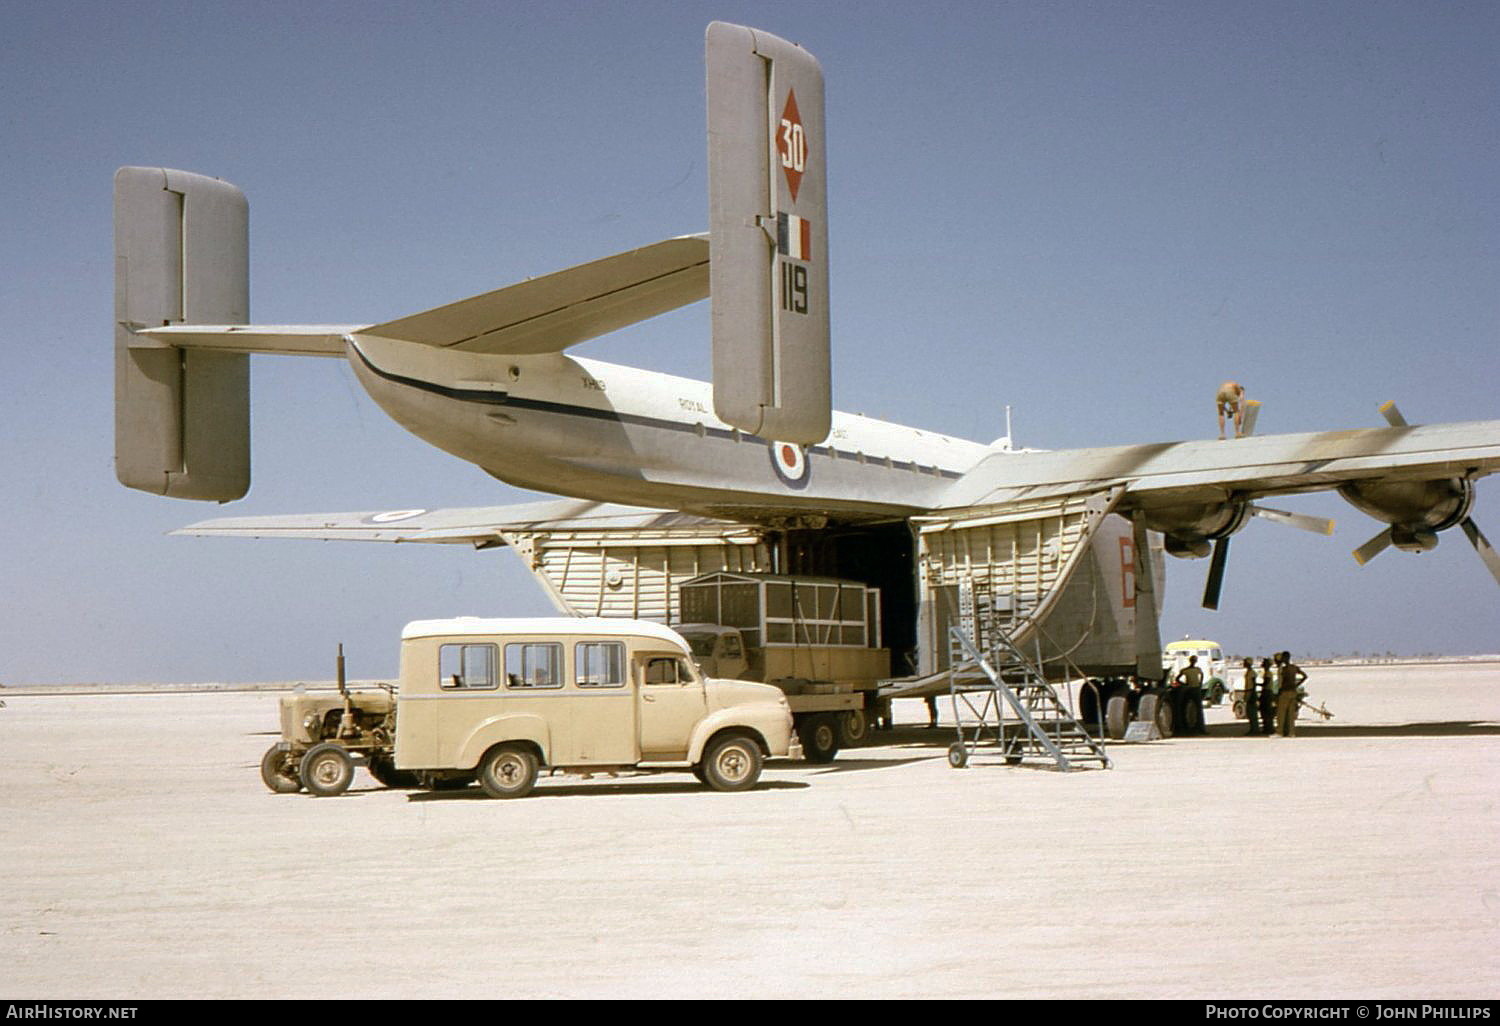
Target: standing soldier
point(1267, 696)
point(1252, 698)
point(1231, 400)
point(1289, 697)
point(1190, 678)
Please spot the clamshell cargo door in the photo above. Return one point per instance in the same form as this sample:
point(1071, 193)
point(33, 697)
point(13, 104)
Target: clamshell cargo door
point(634, 573)
point(1058, 576)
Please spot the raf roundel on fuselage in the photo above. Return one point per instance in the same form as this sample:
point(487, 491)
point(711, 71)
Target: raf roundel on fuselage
point(790, 463)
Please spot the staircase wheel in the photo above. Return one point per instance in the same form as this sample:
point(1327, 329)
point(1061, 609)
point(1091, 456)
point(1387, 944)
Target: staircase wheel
point(958, 755)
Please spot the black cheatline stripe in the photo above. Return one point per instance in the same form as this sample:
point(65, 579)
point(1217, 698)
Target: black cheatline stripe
point(475, 395)
point(469, 395)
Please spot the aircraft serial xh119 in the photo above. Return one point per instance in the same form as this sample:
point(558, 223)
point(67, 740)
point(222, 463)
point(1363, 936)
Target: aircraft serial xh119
point(669, 479)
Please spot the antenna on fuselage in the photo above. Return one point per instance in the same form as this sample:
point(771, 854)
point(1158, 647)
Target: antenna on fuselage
point(1006, 443)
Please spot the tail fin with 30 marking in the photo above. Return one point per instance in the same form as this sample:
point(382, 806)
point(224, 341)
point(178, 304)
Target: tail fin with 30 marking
point(768, 223)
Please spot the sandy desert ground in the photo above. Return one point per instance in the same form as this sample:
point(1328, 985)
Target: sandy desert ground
point(142, 858)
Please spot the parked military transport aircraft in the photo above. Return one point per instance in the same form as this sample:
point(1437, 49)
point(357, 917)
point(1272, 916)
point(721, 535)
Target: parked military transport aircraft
point(669, 478)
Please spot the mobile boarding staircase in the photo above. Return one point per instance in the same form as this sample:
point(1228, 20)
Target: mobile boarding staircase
point(983, 688)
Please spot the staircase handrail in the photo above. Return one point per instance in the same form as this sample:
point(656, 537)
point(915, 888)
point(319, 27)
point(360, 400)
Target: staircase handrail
point(958, 634)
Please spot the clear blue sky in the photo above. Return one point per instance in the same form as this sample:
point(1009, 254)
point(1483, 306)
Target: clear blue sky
point(1093, 212)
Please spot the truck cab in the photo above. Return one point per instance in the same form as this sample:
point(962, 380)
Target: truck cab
point(817, 639)
point(719, 650)
point(1210, 660)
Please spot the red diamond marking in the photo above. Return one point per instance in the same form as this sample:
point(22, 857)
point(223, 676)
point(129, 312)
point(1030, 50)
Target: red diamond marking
point(791, 143)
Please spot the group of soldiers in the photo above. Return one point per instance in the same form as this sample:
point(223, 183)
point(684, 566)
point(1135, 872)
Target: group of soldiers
point(1273, 694)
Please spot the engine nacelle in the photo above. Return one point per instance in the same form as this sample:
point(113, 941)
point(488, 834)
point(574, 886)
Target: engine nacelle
point(1189, 529)
point(1416, 510)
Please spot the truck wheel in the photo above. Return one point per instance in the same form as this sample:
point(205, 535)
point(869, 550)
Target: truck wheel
point(731, 764)
point(1239, 708)
point(326, 770)
point(279, 771)
point(819, 734)
point(853, 728)
point(958, 755)
point(1117, 717)
point(508, 771)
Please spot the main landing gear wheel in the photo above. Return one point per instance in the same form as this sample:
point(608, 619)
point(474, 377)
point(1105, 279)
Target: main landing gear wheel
point(326, 770)
point(731, 764)
point(279, 772)
point(508, 771)
point(1117, 717)
point(1163, 716)
point(819, 734)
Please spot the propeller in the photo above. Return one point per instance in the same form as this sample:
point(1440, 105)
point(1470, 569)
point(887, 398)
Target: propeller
point(1382, 541)
point(1247, 422)
point(1214, 586)
point(1215, 582)
point(1302, 521)
point(1482, 546)
point(1372, 548)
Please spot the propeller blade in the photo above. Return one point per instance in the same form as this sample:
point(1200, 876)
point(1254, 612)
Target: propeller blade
point(1317, 525)
point(1247, 423)
point(1372, 548)
point(1216, 574)
point(1392, 415)
point(1482, 546)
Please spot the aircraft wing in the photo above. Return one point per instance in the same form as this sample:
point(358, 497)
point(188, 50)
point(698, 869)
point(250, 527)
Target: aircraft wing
point(482, 527)
point(1172, 474)
point(540, 315)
